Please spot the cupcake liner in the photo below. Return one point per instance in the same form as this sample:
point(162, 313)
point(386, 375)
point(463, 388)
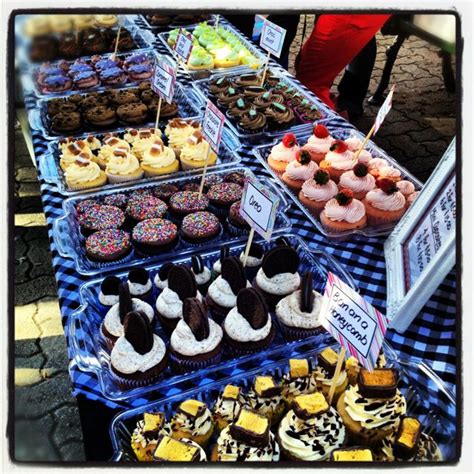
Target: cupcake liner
point(295, 334)
point(114, 179)
point(183, 366)
point(128, 384)
point(218, 313)
point(220, 212)
point(103, 264)
point(147, 249)
point(236, 231)
point(199, 243)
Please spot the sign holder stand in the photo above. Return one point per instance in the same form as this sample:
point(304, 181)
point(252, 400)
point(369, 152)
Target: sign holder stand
point(340, 360)
point(247, 247)
point(264, 73)
point(158, 110)
point(201, 186)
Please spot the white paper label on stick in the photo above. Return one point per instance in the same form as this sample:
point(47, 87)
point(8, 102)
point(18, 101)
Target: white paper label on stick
point(164, 81)
point(258, 207)
point(353, 322)
point(272, 38)
point(212, 125)
point(184, 45)
point(384, 110)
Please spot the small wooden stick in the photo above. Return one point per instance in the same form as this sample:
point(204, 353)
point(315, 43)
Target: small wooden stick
point(117, 42)
point(247, 247)
point(201, 187)
point(340, 360)
point(217, 22)
point(158, 110)
point(364, 143)
point(265, 69)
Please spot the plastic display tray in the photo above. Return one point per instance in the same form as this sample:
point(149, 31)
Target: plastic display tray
point(71, 243)
point(427, 397)
point(173, 24)
point(262, 153)
point(91, 354)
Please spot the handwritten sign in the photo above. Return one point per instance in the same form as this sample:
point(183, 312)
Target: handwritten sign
point(353, 322)
point(272, 38)
point(184, 45)
point(384, 110)
point(212, 125)
point(164, 81)
point(258, 207)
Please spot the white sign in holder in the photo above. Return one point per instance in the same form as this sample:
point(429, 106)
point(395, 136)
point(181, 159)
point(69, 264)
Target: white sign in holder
point(271, 40)
point(183, 46)
point(163, 84)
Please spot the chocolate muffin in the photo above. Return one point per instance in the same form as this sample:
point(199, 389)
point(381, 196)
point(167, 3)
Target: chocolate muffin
point(165, 191)
point(93, 42)
point(252, 122)
point(253, 92)
point(101, 218)
point(144, 207)
point(239, 107)
point(247, 80)
point(200, 227)
point(66, 122)
point(228, 97)
point(122, 97)
point(68, 46)
point(265, 100)
point(132, 114)
point(153, 236)
point(222, 196)
point(279, 116)
point(100, 116)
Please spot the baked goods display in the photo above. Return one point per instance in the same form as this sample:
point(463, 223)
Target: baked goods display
point(165, 20)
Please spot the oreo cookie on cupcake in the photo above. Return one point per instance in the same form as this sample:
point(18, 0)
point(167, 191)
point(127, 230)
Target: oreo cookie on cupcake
point(196, 342)
point(217, 265)
point(202, 274)
point(109, 291)
point(161, 278)
point(139, 283)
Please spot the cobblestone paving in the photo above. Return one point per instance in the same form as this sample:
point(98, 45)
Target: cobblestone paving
point(416, 133)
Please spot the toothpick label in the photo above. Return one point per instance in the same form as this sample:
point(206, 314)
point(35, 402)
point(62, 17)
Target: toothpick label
point(184, 45)
point(354, 323)
point(272, 38)
point(384, 110)
point(164, 81)
point(212, 125)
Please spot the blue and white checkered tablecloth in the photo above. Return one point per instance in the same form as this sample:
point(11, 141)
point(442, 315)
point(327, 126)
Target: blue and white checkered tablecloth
point(431, 337)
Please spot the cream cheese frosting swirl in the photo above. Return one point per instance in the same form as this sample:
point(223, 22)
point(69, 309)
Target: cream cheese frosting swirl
point(313, 439)
point(126, 360)
point(374, 412)
point(289, 311)
point(406, 187)
point(165, 158)
point(112, 319)
point(355, 183)
point(323, 377)
point(239, 329)
point(341, 161)
point(169, 305)
point(299, 172)
point(299, 386)
point(222, 294)
point(178, 136)
point(139, 289)
point(353, 143)
point(353, 212)
point(196, 152)
point(319, 145)
point(389, 172)
point(195, 426)
point(83, 173)
point(203, 277)
point(319, 192)
point(184, 342)
point(228, 409)
point(122, 165)
point(282, 153)
point(386, 202)
point(142, 145)
point(280, 284)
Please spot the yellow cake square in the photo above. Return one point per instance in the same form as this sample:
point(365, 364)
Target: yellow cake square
point(299, 368)
point(353, 455)
point(251, 421)
point(409, 431)
point(310, 405)
point(231, 392)
point(173, 450)
point(153, 421)
point(193, 408)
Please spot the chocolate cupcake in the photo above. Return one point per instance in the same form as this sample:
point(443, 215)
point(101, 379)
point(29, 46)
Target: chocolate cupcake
point(100, 218)
point(252, 122)
point(216, 86)
point(227, 97)
point(187, 202)
point(239, 107)
point(266, 99)
point(139, 283)
point(248, 80)
point(217, 266)
point(199, 227)
point(252, 93)
point(308, 112)
point(119, 200)
point(165, 191)
point(196, 342)
point(222, 196)
point(201, 273)
point(279, 116)
point(144, 207)
point(161, 278)
point(139, 356)
point(109, 291)
point(235, 177)
point(88, 205)
point(236, 224)
point(100, 116)
point(108, 245)
point(154, 236)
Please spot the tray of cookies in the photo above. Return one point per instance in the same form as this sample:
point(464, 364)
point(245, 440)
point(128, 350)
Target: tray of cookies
point(340, 195)
point(110, 110)
point(399, 413)
point(208, 313)
point(258, 113)
point(164, 22)
point(120, 228)
point(176, 150)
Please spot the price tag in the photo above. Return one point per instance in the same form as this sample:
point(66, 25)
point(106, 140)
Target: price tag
point(384, 110)
point(164, 81)
point(184, 45)
point(259, 207)
point(272, 38)
point(212, 125)
point(353, 322)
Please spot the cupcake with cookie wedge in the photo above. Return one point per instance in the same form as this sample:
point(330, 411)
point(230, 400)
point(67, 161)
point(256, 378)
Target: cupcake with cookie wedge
point(228, 405)
point(159, 160)
point(299, 380)
point(173, 450)
point(372, 409)
point(146, 434)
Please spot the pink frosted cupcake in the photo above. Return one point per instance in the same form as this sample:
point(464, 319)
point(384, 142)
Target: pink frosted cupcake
point(375, 164)
point(385, 204)
point(343, 213)
point(283, 153)
point(339, 160)
point(406, 188)
point(390, 172)
point(354, 145)
point(411, 198)
point(316, 192)
point(319, 143)
point(359, 181)
point(300, 170)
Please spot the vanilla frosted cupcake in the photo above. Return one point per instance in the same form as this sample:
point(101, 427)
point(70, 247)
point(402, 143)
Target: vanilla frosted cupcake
point(283, 153)
point(338, 160)
point(265, 398)
point(123, 166)
point(299, 380)
point(130, 135)
point(228, 406)
point(359, 181)
point(107, 150)
point(319, 143)
point(178, 131)
point(195, 152)
point(375, 164)
point(93, 143)
point(143, 142)
point(343, 213)
point(72, 151)
point(159, 160)
point(316, 192)
point(325, 371)
point(300, 170)
point(411, 198)
point(84, 174)
point(385, 204)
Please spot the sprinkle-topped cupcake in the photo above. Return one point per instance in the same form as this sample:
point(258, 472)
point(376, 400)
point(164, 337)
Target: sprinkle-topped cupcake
point(200, 227)
point(152, 236)
point(108, 245)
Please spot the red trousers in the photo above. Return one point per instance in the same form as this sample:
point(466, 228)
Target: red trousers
point(334, 43)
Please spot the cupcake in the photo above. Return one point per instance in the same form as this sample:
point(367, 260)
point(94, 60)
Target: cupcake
point(247, 439)
point(300, 380)
point(161, 278)
point(196, 342)
point(111, 143)
point(178, 131)
point(343, 213)
point(384, 205)
point(144, 140)
point(222, 293)
point(224, 252)
point(123, 167)
point(248, 326)
point(172, 450)
point(353, 367)
point(311, 429)
point(109, 291)
point(389, 172)
point(196, 152)
point(100, 218)
point(200, 227)
point(279, 275)
point(298, 313)
point(165, 191)
point(239, 107)
point(406, 187)
point(141, 207)
point(324, 373)
point(169, 304)
point(359, 181)
point(279, 116)
point(409, 443)
point(338, 160)
point(227, 97)
point(72, 151)
point(84, 174)
point(252, 122)
point(159, 160)
point(227, 407)
point(375, 164)
point(130, 135)
point(411, 198)
point(201, 273)
point(193, 421)
point(372, 409)
point(298, 171)
point(316, 192)
point(112, 325)
point(146, 434)
point(254, 260)
point(222, 196)
point(154, 236)
point(265, 398)
point(187, 202)
point(139, 283)
point(236, 224)
point(283, 153)
point(139, 356)
point(108, 245)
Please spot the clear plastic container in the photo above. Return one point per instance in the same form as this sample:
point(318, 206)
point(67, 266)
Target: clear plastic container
point(428, 399)
point(172, 25)
point(262, 153)
point(52, 173)
point(189, 105)
point(92, 355)
point(202, 88)
point(71, 243)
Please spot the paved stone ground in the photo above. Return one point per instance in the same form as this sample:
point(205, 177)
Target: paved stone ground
point(416, 132)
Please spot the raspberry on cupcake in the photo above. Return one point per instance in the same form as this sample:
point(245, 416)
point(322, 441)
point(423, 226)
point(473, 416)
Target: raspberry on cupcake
point(338, 160)
point(316, 192)
point(283, 153)
point(319, 143)
point(386, 204)
point(300, 170)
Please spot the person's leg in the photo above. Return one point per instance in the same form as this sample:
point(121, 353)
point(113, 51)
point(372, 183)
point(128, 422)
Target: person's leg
point(334, 42)
point(290, 24)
